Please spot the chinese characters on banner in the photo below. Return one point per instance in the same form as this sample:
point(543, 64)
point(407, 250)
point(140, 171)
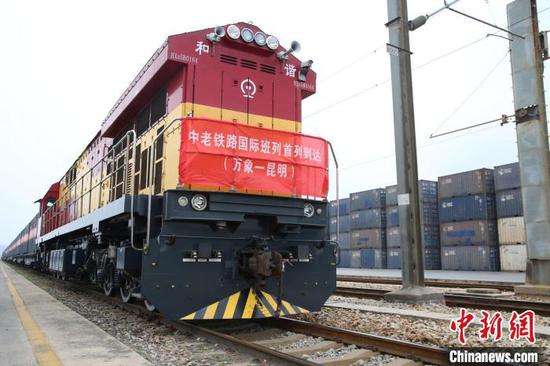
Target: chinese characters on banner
point(216, 153)
point(520, 326)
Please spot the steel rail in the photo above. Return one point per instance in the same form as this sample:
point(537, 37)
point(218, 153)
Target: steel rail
point(503, 286)
point(459, 300)
point(424, 353)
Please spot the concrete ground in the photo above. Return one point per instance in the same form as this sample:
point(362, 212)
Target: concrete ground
point(513, 277)
point(36, 329)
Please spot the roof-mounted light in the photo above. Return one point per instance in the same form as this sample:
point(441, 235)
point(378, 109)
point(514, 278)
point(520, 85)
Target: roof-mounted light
point(247, 35)
point(260, 39)
point(272, 43)
point(233, 31)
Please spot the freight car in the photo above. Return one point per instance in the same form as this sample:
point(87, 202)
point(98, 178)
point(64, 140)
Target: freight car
point(199, 195)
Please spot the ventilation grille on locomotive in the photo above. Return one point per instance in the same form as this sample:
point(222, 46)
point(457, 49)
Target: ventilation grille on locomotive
point(228, 59)
point(268, 69)
point(249, 64)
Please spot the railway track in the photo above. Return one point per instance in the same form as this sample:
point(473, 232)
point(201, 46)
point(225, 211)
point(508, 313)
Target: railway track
point(278, 341)
point(502, 286)
point(459, 300)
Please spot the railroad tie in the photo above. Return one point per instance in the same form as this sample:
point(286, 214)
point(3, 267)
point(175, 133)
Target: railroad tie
point(317, 347)
point(263, 335)
point(230, 328)
point(403, 362)
point(347, 359)
point(284, 341)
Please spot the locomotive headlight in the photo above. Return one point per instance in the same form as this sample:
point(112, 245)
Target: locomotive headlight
point(183, 201)
point(233, 31)
point(199, 202)
point(319, 211)
point(247, 35)
point(260, 39)
point(309, 210)
point(272, 42)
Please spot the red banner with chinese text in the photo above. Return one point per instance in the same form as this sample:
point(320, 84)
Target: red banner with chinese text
point(232, 155)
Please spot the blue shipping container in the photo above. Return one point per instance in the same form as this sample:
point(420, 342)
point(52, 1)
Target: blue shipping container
point(345, 259)
point(344, 240)
point(344, 207)
point(394, 258)
point(391, 195)
point(430, 236)
point(368, 219)
point(368, 238)
point(468, 258)
point(466, 183)
point(429, 212)
point(373, 198)
point(427, 191)
point(373, 258)
point(476, 207)
point(392, 237)
point(432, 258)
point(344, 224)
point(355, 260)
point(509, 203)
point(478, 232)
point(507, 177)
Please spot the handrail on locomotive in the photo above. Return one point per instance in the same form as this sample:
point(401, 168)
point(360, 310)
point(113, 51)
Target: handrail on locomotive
point(56, 213)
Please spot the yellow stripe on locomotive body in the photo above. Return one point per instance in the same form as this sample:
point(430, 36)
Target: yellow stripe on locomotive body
point(246, 304)
point(80, 172)
point(172, 139)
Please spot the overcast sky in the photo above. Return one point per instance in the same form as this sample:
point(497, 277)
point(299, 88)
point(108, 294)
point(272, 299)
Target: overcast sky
point(65, 63)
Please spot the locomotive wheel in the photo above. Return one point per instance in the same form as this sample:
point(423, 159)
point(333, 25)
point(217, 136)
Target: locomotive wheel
point(126, 291)
point(108, 285)
point(150, 307)
point(92, 274)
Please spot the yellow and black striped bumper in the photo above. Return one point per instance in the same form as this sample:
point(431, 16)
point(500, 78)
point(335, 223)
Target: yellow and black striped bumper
point(245, 304)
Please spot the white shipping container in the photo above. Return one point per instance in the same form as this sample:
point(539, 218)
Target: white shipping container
point(511, 230)
point(513, 257)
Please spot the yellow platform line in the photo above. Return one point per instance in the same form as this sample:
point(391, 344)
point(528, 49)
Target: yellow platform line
point(41, 347)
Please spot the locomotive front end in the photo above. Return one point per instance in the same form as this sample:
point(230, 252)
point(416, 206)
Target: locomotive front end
point(230, 255)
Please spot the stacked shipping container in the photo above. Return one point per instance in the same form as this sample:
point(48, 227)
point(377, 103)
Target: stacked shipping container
point(511, 226)
point(429, 226)
point(368, 227)
point(344, 238)
point(467, 221)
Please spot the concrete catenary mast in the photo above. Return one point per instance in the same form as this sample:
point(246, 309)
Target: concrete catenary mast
point(407, 171)
point(532, 139)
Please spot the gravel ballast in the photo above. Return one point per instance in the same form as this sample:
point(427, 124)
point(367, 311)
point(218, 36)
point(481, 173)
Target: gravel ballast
point(157, 343)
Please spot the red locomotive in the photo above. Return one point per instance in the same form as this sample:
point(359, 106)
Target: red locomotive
point(199, 194)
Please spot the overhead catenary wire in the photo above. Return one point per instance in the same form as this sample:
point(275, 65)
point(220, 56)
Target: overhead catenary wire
point(503, 119)
point(420, 147)
point(470, 95)
point(352, 63)
point(383, 82)
point(386, 81)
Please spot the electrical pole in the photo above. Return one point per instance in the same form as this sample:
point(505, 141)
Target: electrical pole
point(532, 139)
point(407, 172)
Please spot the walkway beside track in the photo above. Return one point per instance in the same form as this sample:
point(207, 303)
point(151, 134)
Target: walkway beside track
point(512, 277)
point(36, 329)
